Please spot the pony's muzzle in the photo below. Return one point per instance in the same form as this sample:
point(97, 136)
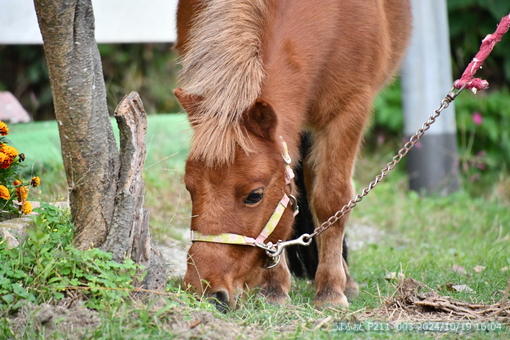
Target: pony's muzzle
point(220, 299)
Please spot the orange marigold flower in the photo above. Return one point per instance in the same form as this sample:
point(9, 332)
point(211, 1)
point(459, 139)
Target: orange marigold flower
point(22, 193)
point(4, 192)
point(7, 155)
point(35, 181)
point(9, 151)
point(16, 182)
point(26, 208)
point(6, 163)
point(4, 130)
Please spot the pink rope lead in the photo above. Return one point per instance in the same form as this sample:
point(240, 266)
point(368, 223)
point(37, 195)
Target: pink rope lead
point(477, 84)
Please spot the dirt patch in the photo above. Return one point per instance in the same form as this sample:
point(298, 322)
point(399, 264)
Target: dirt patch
point(46, 318)
point(78, 322)
point(411, 302)
point(359, 235)
point(205, 325)
point(175, 255)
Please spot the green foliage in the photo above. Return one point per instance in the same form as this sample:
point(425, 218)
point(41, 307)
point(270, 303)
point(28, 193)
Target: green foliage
point(483, 125)
point(483, 128)
point(149, 69)
point(470, 21)
point(46, 265)
point(25, 74)
point(388, 115)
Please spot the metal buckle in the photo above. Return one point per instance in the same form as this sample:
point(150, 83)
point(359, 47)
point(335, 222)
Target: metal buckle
point(286, 159)
point(272, 262)
point(295, 206)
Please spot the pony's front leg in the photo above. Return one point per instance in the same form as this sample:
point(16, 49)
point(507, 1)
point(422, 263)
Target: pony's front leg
point(276, 282)
point(331, 164)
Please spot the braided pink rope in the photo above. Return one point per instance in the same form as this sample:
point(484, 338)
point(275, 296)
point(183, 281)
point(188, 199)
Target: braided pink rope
point(476, 84)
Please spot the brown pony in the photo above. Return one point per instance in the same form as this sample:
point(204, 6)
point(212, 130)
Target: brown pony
point(254, 73)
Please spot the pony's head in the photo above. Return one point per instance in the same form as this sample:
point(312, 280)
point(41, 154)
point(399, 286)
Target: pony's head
point(236, 202)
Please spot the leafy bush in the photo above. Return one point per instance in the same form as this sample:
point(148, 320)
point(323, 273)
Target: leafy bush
point(483, 125)
point(483, 128)
point(47, 265)
point(149, 69)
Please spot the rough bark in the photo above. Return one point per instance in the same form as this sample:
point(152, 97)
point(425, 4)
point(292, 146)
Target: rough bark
point(129, 235)
point(106, 190)
point(89, 149)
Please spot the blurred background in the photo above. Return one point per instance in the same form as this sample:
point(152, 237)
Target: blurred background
point(483, 121)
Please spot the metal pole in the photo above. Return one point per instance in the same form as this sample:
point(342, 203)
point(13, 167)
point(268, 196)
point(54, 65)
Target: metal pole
point(426, 76)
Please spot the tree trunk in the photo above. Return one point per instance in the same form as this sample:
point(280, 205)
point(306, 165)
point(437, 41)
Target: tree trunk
point(89, 150)
point(106, 190)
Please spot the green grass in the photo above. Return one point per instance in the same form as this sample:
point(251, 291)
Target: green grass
point(40, 143)
point(426, 237)
point(167, 144)
point(423, 237)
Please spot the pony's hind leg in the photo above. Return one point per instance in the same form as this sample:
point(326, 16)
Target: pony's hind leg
point(331, 165)
point(303, 260)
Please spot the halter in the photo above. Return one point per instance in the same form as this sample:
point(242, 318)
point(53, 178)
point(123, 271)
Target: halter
point(270, 226)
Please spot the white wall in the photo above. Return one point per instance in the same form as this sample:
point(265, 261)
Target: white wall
point(117, 21)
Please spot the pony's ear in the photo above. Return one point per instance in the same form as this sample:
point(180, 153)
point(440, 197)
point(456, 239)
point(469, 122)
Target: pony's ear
point(261, 119)
point(189, 101)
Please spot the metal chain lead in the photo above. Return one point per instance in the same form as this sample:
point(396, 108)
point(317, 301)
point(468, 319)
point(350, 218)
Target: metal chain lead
point(275, 250)
point(384, 172)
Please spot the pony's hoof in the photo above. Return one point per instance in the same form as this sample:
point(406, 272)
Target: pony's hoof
point(351, 290)
point(330, 299)
point(280, 298)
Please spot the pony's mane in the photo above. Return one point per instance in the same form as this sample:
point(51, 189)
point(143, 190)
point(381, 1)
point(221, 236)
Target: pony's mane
point(223, 65)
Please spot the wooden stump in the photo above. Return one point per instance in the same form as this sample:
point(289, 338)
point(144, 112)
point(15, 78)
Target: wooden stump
point(129, 235)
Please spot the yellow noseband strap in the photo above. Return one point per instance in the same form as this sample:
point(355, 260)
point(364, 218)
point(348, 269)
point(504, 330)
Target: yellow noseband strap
point(246, 240)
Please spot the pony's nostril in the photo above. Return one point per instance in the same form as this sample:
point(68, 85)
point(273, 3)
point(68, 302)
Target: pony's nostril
point(220, 300)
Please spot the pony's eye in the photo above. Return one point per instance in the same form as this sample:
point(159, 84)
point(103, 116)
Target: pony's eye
point(254, 197)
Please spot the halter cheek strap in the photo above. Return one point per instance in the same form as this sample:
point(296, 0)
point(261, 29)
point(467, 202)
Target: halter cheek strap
point(270, 225)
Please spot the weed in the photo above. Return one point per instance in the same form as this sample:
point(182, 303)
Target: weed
point(46, 266)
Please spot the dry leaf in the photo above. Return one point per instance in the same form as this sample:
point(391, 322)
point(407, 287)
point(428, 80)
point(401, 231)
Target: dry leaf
point(462, 288)
point(393, 276)
point(479, 269)
point(504, 269)
point(459, 270)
